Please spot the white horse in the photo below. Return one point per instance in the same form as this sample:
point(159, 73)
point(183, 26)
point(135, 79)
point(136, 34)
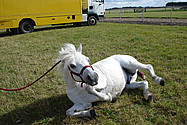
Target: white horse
point(100, 82)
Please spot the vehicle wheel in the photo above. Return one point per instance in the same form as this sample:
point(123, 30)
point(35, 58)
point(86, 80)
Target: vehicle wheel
point(92, 21)
point(26, 27)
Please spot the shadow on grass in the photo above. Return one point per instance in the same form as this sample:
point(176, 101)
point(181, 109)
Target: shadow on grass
point(44, 28)
point(52, 110)
point(44, 110)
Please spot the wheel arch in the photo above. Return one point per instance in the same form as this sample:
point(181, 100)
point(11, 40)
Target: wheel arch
point(28, 19)
point(93, 14)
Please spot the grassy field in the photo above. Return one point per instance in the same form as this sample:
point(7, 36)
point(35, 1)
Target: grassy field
point(25, 57)
point(151, 13)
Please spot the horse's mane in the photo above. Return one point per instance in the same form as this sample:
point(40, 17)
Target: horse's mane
point(65, 55)
point(67, 51)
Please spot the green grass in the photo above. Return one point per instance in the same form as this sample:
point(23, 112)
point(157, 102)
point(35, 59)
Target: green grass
point(25, 57)
point(149, 14)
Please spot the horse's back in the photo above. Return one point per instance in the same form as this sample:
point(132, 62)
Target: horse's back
point(112, 77)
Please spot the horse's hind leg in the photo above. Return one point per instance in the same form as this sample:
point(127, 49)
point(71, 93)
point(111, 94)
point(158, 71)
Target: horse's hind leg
point(143, 85)
point(150, 69)
point(131, 64)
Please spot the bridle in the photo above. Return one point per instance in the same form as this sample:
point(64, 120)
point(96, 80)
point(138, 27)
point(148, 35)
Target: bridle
point(79, 74)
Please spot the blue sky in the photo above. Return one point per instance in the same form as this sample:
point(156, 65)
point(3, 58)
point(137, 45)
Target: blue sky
point(143, 3)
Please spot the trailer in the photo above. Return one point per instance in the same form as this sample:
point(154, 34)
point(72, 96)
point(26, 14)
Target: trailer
point(20, 16)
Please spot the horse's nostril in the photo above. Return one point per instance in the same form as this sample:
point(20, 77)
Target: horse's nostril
point(92, 79)
point(89, 77)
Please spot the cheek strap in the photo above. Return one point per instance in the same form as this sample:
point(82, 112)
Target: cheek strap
point(79, 74)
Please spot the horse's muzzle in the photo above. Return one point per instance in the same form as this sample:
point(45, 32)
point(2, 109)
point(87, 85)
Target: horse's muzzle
point(92, 79)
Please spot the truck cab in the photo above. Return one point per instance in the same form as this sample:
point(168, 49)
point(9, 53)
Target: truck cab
point(96, 11)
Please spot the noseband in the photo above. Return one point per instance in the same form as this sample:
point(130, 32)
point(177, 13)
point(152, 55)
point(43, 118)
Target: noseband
point(79, 74)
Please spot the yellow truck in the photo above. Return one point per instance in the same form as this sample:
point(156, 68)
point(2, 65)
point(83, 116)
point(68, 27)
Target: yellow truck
point(20, 16)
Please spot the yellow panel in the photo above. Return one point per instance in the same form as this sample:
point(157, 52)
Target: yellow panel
point(58, 20)
point(42, 11)
point(6, 24)
point(39, 7)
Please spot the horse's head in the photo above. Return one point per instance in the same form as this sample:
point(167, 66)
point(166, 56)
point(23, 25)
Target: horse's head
point(78, 65)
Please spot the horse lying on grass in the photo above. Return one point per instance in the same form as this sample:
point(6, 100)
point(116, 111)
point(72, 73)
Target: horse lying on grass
point(102, 81)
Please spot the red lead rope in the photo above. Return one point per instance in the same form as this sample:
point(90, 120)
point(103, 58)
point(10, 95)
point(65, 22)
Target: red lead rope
point(32, 82)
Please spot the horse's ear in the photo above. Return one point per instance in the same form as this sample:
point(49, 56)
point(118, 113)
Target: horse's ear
point(80, 49)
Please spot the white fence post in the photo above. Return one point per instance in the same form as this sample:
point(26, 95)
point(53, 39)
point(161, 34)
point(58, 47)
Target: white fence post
point(143, 15)
point(120, 14)
point(171, 14)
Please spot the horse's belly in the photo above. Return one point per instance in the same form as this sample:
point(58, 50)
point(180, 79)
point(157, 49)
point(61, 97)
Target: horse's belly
point(115, 77)
point(116, 83)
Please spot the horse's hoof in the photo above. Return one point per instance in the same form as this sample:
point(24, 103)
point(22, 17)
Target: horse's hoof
point(93, 113)
point(150, 98)
point(114, 99)
point(162, 82)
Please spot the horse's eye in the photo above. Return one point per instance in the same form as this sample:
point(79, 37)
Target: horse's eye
point(72, 66)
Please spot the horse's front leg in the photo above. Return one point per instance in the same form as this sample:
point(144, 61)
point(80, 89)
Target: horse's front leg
point(101, 96)
point(77, 110)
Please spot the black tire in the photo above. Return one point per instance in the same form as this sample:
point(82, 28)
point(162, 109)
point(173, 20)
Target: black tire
point(92, 21)
point(26, 27)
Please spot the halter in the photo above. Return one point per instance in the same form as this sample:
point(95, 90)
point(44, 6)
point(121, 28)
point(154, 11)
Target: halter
point(79, 74)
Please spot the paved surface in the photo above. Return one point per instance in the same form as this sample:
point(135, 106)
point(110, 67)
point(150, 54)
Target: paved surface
point(151, 21)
